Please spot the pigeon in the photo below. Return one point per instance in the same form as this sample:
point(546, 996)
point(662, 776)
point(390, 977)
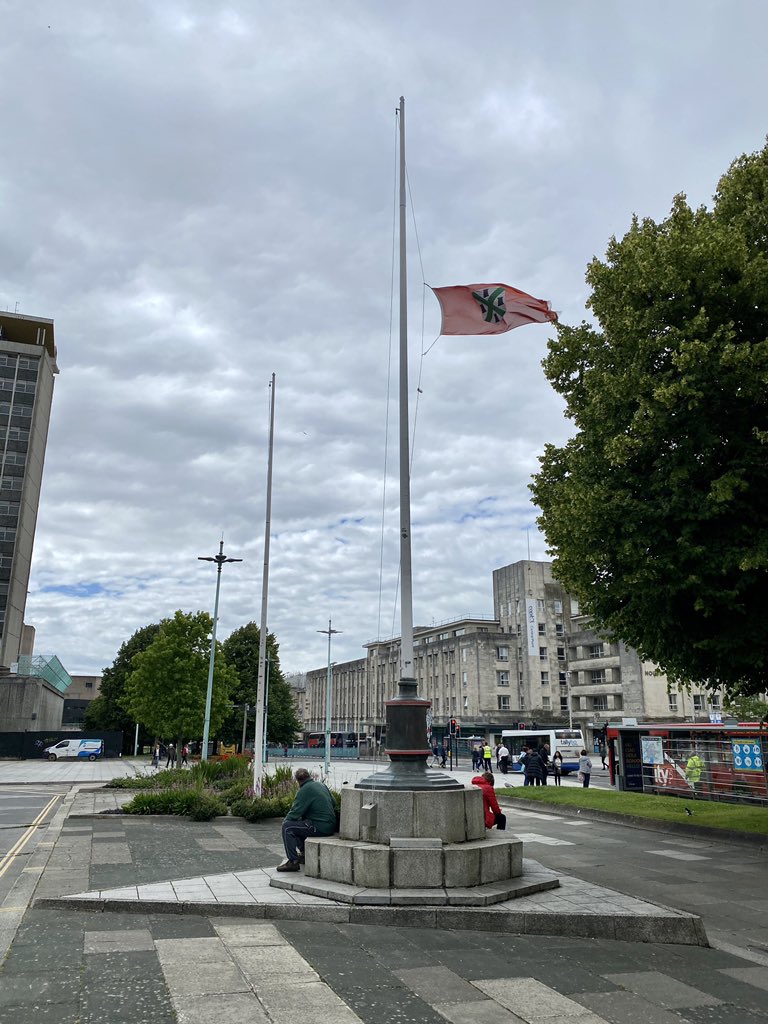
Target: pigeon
point(689, 812)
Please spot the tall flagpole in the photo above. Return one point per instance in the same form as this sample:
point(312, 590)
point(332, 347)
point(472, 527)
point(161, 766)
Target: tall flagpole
point(406, 599)
point(258, 744)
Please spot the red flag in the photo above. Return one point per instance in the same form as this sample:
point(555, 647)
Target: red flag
point(489, 309)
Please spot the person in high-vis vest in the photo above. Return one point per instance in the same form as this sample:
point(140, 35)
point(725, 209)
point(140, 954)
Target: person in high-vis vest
point(693, 770)
point(487, 755)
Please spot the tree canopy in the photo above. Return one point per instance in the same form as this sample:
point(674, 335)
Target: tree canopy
point(656, 511)
point(166, 690)
point(242, 651)
point(107, 711)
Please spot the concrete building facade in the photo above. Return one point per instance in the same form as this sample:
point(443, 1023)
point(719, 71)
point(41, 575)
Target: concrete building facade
point(536, 660)
point(27, 371)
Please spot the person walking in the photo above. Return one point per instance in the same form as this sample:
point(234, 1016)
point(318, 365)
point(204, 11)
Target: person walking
point(443, 755)
point(312, 813)
point(521, 763)
point(603, 753)
point(585, 769)
point(171, 756)
point(557, 767)
point(487, 755)
point(491, 810)
point(185, 756)
point(503, 759)
point(496, 750)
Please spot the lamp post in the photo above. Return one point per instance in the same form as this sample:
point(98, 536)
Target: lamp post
point(328, 689)
point(219, 559)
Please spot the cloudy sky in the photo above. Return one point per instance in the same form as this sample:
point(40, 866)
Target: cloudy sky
point(200, 194)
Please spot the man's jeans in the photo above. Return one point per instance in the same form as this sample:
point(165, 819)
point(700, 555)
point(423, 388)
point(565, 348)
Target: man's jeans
point(294, 835)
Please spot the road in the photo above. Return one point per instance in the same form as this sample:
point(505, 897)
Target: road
point(24, 814)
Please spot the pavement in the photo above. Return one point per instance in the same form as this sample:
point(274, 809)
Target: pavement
point(127, 918)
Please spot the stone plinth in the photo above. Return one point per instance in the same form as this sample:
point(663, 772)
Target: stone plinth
point(372, 816)
point(415, 864)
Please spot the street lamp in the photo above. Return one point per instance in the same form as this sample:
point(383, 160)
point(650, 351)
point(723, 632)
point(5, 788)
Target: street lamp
point(328, 684)
point(219, 559)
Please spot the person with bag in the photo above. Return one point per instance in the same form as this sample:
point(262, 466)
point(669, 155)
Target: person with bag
point(491, 810)
point(585, 769)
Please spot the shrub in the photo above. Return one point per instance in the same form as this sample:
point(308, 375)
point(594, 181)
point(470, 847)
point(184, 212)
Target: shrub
point(188, 802)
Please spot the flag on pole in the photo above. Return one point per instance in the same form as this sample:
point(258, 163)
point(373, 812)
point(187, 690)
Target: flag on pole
point(489, 309)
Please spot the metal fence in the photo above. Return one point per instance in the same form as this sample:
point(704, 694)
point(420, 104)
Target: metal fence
point(708, 768)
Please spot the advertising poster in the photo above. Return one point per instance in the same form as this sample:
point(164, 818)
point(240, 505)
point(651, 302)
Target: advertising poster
point(653, 752)
point(747, 755)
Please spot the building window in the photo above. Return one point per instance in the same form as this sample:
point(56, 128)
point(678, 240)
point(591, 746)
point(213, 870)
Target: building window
point(574, 606)
point(600, 703)
point(699, 704)
point(502, 678)
point(714, 702)
point(559, 629)
point(543, 653)
point(672, 697)
point(545, 678)
point(542, 629)
point(540, 606)
point(561, 654)
point(563, 703)
point(502, 654)
point(546, 703)
point(562, 678)
point(503, 702)
point(464, 678)
point(595, 651)
point(597, 676)
point(558, 607)
point(463, 653)
point(89, 686)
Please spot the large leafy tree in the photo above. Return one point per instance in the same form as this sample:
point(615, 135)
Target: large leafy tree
point(166, 691)
point(657, 509)
point(107, 711)
point(242, 651)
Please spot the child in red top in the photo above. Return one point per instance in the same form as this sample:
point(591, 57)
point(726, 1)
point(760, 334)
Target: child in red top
point(491, 809)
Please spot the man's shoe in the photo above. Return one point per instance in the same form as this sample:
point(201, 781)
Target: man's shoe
point(288, 865)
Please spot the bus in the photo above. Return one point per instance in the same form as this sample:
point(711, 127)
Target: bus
point(570, 743)
point(338, 739)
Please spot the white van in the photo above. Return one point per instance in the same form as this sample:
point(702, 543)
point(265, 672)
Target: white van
point(81, 749)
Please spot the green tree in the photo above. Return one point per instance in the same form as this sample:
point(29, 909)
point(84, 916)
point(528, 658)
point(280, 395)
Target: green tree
point(657, 509)
point(747, 709)
point(107, 711)
point(242, 651)
point(167, 688)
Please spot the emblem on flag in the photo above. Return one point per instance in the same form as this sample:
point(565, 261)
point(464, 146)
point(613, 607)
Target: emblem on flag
point(489, 309)
point(492, 304)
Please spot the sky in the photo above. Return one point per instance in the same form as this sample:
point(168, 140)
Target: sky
point(201, 194)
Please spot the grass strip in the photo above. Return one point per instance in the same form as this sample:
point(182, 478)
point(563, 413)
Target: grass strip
point(703, 813)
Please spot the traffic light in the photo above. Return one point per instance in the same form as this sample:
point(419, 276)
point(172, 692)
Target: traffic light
point(453, 727)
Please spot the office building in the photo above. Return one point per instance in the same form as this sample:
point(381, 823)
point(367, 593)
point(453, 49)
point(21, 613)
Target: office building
point(27, 370)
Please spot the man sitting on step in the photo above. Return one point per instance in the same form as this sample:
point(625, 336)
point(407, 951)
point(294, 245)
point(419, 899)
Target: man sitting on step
point(312, 813)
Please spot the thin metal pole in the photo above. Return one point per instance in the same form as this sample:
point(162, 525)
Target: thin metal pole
point(258, 743)
point(246, 708)
point(406, 599)
point(209, 691)
point(219, 559)
point(328, 705)
point(136, 741)
point(328, 699)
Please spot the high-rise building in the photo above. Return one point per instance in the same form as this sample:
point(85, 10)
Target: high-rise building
point(27, 369)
